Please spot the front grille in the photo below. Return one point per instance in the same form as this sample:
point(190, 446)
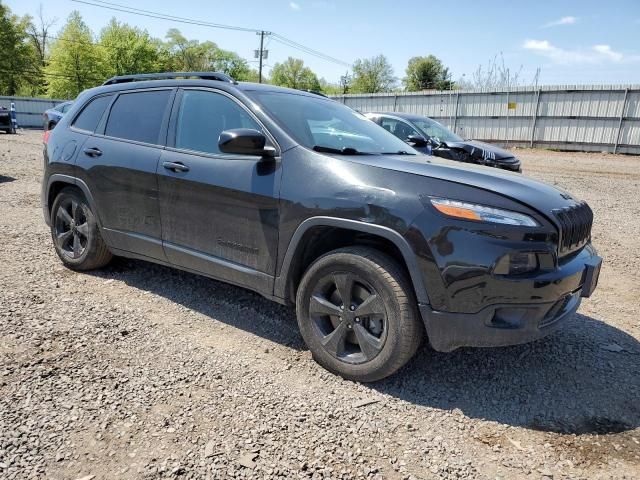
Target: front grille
point(575, 227)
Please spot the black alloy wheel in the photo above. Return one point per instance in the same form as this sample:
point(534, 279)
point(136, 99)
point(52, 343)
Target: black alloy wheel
point(349, 317)
point(75, 232)
point(71, 229)
point(357, 313)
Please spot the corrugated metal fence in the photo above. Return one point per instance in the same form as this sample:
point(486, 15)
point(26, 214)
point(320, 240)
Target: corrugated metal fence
point(585, 118)
point(29, 110)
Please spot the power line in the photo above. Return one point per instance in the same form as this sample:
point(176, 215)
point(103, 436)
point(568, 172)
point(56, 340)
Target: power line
point(151, 14)
point(296, 45)
point(161, 16)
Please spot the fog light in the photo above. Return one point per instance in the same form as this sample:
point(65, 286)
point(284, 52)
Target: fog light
point(516, 263)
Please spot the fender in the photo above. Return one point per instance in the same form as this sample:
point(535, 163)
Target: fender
point(57, 177)
point(379, 230)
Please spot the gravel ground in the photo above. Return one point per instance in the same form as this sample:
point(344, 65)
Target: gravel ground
point(140, 371)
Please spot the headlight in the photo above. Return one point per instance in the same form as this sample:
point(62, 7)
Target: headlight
point(481, 213)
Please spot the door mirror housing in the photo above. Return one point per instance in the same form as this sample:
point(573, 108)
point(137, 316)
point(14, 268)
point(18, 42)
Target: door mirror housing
point(417, 140)
point(245, 141)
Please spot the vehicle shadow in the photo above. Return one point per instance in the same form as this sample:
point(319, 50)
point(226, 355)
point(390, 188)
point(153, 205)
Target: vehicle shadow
point(585, 378)
point(5, 179)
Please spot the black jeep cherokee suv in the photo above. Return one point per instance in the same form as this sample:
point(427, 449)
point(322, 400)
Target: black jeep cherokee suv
point(306, 201)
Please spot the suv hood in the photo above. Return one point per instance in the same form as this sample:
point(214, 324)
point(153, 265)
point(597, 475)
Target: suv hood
point(537, 195)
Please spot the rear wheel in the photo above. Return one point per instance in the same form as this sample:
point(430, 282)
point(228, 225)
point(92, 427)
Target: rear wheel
point(356, 314)
point(75, 232)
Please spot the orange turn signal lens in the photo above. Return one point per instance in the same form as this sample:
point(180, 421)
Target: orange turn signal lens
point(457, 212)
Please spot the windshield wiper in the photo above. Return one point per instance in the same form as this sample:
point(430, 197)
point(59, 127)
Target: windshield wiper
point(399, 152)
point(339, 151)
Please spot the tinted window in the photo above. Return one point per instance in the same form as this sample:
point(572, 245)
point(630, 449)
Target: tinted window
point(138, 116)
point(91, 114)
point(203, 116)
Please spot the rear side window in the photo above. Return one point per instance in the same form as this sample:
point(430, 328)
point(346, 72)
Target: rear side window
point(91, 114)
point(138, 116)
point(204, 115)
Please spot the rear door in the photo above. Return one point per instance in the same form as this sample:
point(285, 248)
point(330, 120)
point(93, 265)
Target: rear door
point(219, 211)
point(119, 164)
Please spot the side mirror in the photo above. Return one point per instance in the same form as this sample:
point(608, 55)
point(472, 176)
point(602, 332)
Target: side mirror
point(417, 140)
point(435, 142)
point(245, 141)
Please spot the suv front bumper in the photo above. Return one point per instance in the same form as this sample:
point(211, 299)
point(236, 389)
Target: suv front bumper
point(507, 324)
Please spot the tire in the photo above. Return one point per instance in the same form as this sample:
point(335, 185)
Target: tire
point(75, 232)
point(372, 335)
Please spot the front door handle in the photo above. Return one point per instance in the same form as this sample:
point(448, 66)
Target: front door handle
point(93, 152)
point(175, 166)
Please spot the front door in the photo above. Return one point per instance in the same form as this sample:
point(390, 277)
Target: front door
point(219, 212)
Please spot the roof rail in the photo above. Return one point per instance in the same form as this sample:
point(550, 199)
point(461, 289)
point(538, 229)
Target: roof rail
point(221, 77)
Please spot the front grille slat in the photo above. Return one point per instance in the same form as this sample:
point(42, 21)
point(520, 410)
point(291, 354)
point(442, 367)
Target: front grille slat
point(575, 227)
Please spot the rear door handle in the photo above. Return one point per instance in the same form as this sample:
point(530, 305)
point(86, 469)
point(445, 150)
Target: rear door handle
point(93, 152)
point(175, 166)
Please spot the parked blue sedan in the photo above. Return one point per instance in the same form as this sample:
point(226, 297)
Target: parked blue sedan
point(52, 116)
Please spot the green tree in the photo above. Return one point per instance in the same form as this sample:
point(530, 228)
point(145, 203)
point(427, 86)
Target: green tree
point(18, 62)
point(127, 50)
point(254, 77)
point(293, 74)
point(75, 62)
point(190, 55)
point(231, 64)
point(39, 29)
point(182, 54)
point(330, 88)
point(424, 73)
point(372, 75)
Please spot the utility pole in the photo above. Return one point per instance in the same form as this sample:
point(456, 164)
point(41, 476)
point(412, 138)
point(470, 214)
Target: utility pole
point(261, 52)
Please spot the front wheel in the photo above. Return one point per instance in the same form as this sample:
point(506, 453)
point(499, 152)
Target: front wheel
point(75, 232)
point(357, 314)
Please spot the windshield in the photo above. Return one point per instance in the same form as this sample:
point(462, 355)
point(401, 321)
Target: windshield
point(436, 130)
point(328, 126)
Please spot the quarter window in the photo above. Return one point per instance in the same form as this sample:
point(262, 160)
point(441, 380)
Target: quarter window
point(138, 116)
point(91, 114)
point(203, 116)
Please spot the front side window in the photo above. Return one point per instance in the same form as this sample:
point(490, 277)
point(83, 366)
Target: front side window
point(138, 116)
point(399, 128)
point(91, 114)
point(433, 129)
point(325, 125)
point(203, 116)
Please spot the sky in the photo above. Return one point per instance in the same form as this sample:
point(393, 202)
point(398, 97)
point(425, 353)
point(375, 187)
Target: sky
point(572, 42)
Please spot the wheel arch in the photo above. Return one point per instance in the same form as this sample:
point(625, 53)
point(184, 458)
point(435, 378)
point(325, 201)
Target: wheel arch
point(56, 183)
point(293, 264)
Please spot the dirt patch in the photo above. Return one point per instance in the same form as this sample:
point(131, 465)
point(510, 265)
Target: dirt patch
point(141, 371)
